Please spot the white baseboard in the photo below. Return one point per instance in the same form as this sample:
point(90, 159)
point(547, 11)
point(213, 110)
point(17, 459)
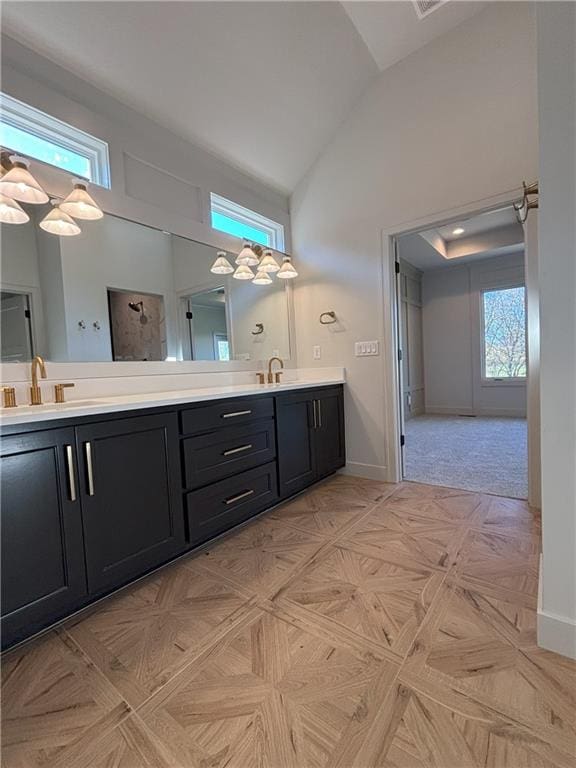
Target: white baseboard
point(555, 633)
point(441, 411)
point(370, 471)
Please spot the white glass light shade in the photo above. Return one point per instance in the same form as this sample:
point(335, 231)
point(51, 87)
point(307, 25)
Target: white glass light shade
point(243, 273)
point(80, 205)
point(221, 266)
point(247, 256)
point(287, 271)
point(59, 223)
point(262, 278)
point(11, 212)
point(19, 184)
point(268, 263)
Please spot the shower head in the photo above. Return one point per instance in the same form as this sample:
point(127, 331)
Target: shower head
point(137, 306)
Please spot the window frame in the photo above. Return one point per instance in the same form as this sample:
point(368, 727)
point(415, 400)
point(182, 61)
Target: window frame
point(250, 218)
point(499, 381)
point(40, 125)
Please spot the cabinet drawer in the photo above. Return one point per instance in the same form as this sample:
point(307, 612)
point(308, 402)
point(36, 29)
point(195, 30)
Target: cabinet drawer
point(208, 458)
point(226, 413)
point(221, 506)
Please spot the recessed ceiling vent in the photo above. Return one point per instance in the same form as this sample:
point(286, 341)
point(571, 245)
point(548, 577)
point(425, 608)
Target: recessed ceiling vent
point(426, 7)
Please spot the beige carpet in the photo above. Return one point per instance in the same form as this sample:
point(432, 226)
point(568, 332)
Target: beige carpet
point(478, 454)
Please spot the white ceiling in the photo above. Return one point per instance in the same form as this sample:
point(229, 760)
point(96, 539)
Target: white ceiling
point(263, 85)
point(476, 225)
point(495, 233)
point(392, 30)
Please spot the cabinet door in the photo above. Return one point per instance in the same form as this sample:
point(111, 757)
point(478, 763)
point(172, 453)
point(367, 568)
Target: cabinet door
point(131, 497)
point(43, 575)
point(329, 443)
point(296, 460)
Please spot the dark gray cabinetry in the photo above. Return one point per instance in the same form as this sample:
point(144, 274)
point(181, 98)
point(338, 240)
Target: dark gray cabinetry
point(310, 428)
point(131, 497)
point(93, 503)
point(43, 576)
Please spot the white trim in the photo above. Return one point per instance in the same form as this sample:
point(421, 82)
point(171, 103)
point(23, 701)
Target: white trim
point(555, 633)
point(444, 411)
point(370, 471)
point(244, 215)
point(36, 123)
point(390, 344)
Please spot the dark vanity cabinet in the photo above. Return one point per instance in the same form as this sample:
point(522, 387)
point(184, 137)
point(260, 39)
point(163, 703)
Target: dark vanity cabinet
point(43, 575)
point(96, 502)
point(131, 497)
point(311, 442)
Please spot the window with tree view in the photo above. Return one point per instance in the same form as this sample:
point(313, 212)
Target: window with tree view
point(504, 324)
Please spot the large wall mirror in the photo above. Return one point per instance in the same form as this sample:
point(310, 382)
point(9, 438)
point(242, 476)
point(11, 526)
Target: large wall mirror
point(122, 291)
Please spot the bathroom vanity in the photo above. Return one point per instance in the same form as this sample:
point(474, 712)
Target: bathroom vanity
point(96, 497)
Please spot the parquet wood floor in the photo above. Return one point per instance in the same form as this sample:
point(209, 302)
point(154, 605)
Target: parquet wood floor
point(359, 625)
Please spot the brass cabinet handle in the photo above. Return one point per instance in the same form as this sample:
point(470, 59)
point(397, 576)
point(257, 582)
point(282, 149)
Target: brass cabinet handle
point(237, 498)
point(70, 467)
point(90, 471)
point(235, 413)
point(237, 450)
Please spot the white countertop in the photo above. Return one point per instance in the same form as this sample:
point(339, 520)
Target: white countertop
point(26, 414)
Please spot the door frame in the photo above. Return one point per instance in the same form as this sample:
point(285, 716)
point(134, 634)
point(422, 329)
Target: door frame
point(393, 420)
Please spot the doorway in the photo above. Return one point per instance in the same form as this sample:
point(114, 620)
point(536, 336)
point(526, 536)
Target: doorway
point(461, 336)
point(16, 324)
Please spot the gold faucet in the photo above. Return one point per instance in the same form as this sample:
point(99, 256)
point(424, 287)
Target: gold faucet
point(35, 393)
point(274, 376)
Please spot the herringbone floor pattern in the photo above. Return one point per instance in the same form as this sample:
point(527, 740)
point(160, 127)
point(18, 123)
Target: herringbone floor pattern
point(361, 624)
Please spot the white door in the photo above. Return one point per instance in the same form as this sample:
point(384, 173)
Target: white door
point(15, 327)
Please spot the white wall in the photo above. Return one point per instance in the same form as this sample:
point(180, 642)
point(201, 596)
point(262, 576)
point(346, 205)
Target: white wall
point(157, 178)
point(557, 273)
point(450, 126)
point(452, 339)
point(119, 254)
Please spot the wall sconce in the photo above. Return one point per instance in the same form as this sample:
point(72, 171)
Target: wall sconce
point(18, 184)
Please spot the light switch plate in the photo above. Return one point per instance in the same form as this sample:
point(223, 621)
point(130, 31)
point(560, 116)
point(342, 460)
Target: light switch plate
point(367, 348)
point(316, 352)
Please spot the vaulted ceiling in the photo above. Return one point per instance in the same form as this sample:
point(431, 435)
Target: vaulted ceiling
point(263, 85)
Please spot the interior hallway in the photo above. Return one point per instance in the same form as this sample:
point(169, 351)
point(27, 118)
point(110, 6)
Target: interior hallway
point(481, 453)
point(361, 624)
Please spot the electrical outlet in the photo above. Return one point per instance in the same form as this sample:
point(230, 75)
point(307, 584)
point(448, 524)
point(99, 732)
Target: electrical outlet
point(366, 348)
point(316, 352)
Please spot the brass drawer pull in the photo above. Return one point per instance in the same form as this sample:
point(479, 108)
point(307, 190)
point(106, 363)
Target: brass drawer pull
point(70, 467)
point(90, 471)
point(235, 413)
point(315, 416)
point(237, 498)
point(237, 450)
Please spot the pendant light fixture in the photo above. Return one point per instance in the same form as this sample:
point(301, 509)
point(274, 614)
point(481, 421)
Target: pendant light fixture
point(19, 184)
point(243, 273)
point(221, 266)
point(247, 256)
point(287, 271)
point(262, 278)
point(268, 263)
point(57, 222)
point(11, 212)
point(79, 203)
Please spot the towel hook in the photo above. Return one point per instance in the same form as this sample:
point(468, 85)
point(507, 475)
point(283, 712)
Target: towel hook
point(259, 329)
point(331, 315)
